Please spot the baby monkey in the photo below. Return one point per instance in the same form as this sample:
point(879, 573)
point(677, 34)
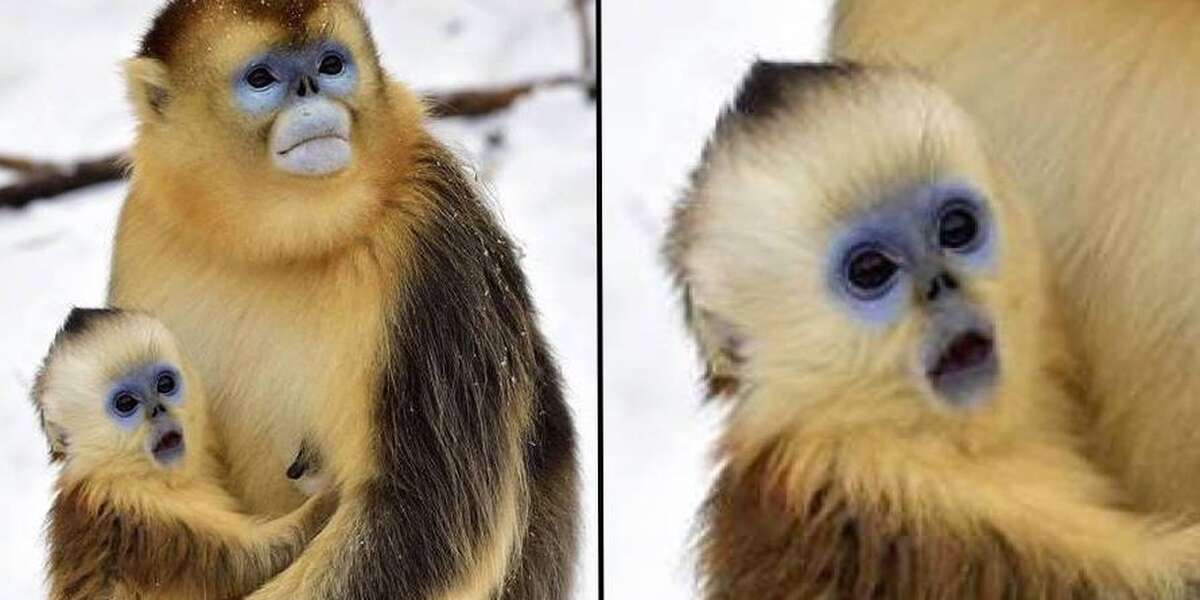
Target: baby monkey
point(140, 510)
point(869, 295)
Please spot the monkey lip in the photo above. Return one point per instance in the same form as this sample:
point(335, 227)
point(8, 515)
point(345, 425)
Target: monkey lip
point(968, 350)
point(168, 447)
point(326, 138)
point(965, 367)
point(317, 154)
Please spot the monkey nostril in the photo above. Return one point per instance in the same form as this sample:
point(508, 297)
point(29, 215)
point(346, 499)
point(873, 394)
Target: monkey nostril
point(935, 289)
point(308, 85)
point(941, 282)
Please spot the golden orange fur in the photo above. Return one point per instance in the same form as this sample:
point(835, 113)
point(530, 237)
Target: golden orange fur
point(842, 474)
point(1091, 104)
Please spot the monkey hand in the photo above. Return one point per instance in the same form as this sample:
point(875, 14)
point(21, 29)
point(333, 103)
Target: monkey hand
point(308, 520)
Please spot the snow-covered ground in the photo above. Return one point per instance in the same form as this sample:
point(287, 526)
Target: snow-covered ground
point(61, 97)
point(668, 67)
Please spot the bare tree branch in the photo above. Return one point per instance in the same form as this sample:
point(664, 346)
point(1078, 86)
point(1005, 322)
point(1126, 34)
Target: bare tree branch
point(26, 167)
point(485, 101)
point(43, 179)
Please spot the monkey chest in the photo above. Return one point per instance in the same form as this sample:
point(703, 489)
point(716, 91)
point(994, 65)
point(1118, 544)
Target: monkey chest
point(278, 353)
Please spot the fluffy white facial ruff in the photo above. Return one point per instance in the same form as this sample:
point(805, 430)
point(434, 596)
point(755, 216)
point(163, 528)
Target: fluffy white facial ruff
point(312, 139)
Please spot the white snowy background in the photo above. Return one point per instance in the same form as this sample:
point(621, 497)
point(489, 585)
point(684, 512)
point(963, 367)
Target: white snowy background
point(668, 67)
point(61, 97)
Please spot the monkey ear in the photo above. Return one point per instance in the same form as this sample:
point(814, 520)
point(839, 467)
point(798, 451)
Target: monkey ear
point(57, 438)
point(149, 87)
point(723, 349)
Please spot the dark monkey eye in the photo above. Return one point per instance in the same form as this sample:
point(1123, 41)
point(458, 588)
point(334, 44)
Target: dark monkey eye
point(260, 78)
point(166, 384)
point(957, 228)
point(125, 404)
point(332, 64)
point(869, 271)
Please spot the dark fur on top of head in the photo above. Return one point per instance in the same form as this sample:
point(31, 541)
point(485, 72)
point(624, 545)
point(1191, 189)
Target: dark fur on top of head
point(765, 88)
point(173, 21)
point(81, 319)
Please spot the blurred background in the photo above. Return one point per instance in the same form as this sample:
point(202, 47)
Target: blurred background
point(62, 101)
point(668, 68)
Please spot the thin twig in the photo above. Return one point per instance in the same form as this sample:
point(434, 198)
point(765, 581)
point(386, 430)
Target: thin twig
point(27, 168)
point(48, 179)
point(584, 23)
point(481, 102)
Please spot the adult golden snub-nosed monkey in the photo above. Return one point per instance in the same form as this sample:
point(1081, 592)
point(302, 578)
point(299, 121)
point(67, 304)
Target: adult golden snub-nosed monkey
point(339, 279)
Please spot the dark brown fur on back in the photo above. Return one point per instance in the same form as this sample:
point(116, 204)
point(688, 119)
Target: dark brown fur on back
point(753, 547)
point(470, 383)
point(545, 568)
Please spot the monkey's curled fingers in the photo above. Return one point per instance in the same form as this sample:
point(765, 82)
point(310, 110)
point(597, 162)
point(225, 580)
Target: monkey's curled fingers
point(306, 472)
point(315, 513)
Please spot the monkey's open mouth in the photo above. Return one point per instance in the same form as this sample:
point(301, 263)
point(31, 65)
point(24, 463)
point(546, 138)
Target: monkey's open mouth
point(966, 351)
point(168, 447)
point(964, 366)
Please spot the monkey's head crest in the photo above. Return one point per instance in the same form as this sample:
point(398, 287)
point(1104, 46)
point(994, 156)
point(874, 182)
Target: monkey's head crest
point(850, 257)
point(115, 390)
point(265, 125)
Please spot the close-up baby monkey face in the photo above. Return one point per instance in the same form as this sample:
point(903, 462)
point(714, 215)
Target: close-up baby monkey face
point(918, 260)
point(845, 239)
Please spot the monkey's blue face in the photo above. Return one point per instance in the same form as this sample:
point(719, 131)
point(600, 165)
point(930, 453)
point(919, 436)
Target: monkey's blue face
point(147, 397)
point(919, 251)
point(301, 90)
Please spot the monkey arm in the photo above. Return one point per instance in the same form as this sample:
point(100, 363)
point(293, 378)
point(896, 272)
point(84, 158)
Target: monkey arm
point(994, 540)
point(214, 553)
point(98, 547)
